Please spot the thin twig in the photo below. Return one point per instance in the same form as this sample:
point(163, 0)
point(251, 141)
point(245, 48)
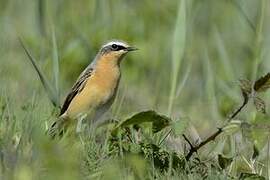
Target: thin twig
point(194, 149)
point(190, 144)
point(239, 109)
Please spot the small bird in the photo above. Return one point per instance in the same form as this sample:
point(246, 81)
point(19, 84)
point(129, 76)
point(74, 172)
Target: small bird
point(94, 91)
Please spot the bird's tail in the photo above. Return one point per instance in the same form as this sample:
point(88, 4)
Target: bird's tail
point(58, 128)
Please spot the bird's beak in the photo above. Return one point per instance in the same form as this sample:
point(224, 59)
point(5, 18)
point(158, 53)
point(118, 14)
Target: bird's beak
point(132, 48)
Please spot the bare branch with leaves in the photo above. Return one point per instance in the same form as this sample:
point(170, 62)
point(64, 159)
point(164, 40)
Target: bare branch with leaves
point(248, 91)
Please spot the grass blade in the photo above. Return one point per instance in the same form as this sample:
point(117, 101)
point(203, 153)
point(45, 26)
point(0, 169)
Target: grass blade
point(41, 17)
point(49, 90)
point(238, 6)
point(178, 47)
point(184, 80)
point(55, 66)
point(210, 90)
point(258, 40)
point(224, 56)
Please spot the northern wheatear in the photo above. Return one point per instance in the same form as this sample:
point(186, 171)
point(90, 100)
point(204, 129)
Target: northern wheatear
point(95, 89)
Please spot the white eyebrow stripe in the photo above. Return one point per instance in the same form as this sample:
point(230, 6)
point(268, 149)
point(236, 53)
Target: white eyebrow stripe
point(117, 43)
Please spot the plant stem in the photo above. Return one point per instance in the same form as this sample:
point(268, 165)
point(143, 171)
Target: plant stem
point(212, 137)
point(239, 109)
point(164, 137)
point(196, 148)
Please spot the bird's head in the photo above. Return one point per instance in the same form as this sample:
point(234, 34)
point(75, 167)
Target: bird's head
point(115, 50)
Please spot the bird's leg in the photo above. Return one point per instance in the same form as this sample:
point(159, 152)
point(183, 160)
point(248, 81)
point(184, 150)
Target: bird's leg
point(80, 118)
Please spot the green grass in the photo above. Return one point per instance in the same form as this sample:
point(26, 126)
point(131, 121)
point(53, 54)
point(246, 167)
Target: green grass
point(192, 54)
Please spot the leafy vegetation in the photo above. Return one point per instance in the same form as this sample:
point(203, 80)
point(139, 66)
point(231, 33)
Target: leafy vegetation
point(191, 122)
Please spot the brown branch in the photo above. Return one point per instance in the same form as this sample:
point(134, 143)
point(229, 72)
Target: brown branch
point(240, 108)
point(194, 149)
point(190, 144)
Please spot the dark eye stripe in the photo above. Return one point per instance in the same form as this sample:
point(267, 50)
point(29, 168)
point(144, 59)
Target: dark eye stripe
point(120, 48)
point(115, 47)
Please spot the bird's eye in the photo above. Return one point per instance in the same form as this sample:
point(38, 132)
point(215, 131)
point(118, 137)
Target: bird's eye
point(114, 46)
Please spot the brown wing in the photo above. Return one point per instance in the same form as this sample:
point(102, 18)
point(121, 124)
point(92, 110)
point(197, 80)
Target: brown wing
point(77, 88)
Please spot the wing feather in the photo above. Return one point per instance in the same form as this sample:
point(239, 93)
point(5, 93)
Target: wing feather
point(77, 88)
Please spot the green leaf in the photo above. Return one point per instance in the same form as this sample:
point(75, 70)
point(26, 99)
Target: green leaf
point(223, 161)
point(179, 126)
point(158, 121)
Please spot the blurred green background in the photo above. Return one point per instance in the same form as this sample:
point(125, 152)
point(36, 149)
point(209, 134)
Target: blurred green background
point(190, 59)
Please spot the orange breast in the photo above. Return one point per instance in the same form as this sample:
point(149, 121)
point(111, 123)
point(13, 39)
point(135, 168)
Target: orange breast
point(99, 88)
